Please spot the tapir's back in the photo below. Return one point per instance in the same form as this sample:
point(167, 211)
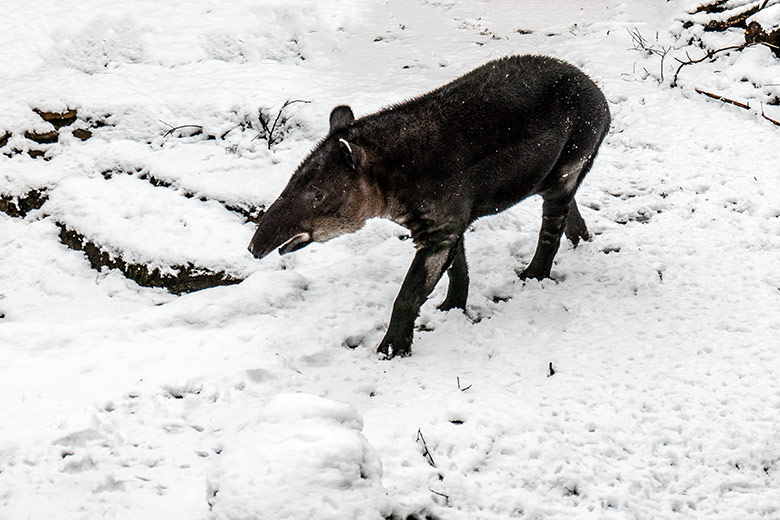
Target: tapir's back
point(510, 79)
point(498, 130)
point(518, 96)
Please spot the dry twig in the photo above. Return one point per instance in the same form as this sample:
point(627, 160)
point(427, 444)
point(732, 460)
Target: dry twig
point(426, 452)
point(708, 56)
point(174, 128)
point(641, 44)
point(446, 497)
point(268, 128)
point(724, 99)
point(459, 388)
point(736, 104)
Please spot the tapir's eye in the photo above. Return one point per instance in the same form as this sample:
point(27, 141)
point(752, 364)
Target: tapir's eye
point(318, 196)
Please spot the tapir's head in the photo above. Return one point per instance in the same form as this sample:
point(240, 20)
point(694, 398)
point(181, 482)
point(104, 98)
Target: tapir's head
point(327, 196)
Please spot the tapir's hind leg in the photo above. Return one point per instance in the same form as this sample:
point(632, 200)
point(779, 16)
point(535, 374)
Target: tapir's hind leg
point(575, 227)
point(559, 213)
point(458, 274)
point(554, 214)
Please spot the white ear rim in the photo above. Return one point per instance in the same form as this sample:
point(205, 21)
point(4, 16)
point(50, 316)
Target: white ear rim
point(345, 143)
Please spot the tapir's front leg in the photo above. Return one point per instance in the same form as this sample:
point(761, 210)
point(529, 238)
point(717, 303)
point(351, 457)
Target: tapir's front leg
point(426, 270)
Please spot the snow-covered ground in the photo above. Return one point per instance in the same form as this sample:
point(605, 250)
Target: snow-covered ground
point(266, 399)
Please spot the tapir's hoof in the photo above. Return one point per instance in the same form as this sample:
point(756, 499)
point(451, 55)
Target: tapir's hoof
point(575, 238)
point(448, 305)
point(529, 274)
point(389, 350)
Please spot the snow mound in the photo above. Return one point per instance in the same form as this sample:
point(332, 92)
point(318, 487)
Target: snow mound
point(153, 225)
point(304, 457)
point(102, 44)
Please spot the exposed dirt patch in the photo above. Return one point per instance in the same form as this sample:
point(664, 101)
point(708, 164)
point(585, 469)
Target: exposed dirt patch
point(180, 278)
point(83, 129)
point(20, 205)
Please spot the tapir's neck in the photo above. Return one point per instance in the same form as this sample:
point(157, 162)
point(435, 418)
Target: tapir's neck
point(395, 162)
point(380, 196)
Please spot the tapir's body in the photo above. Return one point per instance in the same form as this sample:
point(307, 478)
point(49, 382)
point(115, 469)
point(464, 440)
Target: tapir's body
point(515, 127)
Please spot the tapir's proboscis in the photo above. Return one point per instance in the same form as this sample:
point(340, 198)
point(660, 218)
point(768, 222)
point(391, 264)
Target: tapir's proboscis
point(512, 128)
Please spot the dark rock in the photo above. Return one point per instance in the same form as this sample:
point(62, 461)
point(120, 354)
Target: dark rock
point(42, 137)
point(37, 154)
point(81, 133)
point(58, 119)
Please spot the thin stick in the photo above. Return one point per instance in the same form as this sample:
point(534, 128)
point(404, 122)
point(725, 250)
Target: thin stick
point(446, 497)
point(736, 104)
point(174, 128)
point(426, 453)
point(459, 388)
point(724, 99)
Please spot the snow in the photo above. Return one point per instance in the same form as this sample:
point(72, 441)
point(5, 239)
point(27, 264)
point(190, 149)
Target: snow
point(127, 402)
point(325, 458)
point(768, 18)
point(129, 209)
point(748, 75)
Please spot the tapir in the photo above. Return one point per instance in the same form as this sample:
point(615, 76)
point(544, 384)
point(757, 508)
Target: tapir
point(514, 127)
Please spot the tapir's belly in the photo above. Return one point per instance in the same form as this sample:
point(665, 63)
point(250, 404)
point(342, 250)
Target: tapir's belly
point(504, 178)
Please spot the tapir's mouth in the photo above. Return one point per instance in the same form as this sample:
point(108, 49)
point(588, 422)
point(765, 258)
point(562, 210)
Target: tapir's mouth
point(295, 243)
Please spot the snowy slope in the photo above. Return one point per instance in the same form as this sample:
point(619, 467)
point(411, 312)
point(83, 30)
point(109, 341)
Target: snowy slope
point(266, 398)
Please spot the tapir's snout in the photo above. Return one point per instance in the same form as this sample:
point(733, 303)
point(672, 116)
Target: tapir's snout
point(279, 229)
point(257, 253)
point(264, 241)
point(252, 251)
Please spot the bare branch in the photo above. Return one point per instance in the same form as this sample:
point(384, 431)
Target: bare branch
point(641, 44)
point(174, 128)
point(737, 20)
point(270, 129)
point(286, 104)
point(707, 56)
point(724, 99)
point(736, 104)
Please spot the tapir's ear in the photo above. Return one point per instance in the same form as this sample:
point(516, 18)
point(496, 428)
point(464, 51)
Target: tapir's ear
point(341, 117)
point(351, 152)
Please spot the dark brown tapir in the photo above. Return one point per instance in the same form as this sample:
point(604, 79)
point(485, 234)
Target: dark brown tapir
point(512, 128)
